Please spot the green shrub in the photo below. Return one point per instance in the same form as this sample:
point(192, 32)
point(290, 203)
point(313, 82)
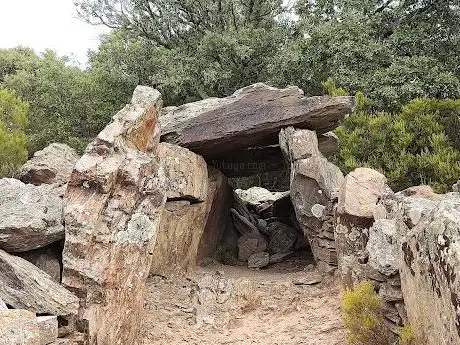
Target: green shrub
point(13, 140)
point(419, 145)
point(363, 316)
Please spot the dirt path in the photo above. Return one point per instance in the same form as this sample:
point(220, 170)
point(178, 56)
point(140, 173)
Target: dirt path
point(234, 305)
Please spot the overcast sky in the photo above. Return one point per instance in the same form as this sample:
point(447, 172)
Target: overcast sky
point(42, 24)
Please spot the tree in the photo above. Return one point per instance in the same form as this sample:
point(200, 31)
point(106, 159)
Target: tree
point(169, 23)
point(393, 51)
point(13, 139)
point(67, 104)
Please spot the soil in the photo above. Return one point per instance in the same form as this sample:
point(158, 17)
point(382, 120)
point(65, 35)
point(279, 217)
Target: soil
point(286, 303)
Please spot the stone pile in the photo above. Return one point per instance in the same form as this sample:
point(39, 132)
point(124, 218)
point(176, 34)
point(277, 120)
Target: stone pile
point(266, 225)
point(31, 234)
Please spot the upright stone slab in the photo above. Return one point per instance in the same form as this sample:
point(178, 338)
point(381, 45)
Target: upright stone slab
point(314, 186)
point(430, 269)
point(114, 200)
point(357, 203)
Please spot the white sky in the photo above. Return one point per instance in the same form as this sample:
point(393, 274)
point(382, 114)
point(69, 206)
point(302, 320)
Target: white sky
point(41, 24)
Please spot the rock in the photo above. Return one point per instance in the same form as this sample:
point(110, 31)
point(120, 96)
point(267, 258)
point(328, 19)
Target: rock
point(259, 260)
point(3, 305)
point(18, 327)
point(366, 183)
point(179, 235)
point(314, 186)
point(249, 244)
point(282, 237)
point(383, 247)
point(218, 222)
point(390, 293)
point(253, 117)
point(242, 224)
point(280, 257)
point(256, 196)
point(24, 286)
point(115, 197)
point(429, 273)
point(298, 144)
point(52, 165)
point(48, 329)
point(30, 216)
point(308, 280)
point(425, 192)
point(186, 173)
point(48, 259)
point(456, 187)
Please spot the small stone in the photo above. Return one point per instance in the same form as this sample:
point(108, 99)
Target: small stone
point(308, 280)
point(280, 257)
point(259, 260)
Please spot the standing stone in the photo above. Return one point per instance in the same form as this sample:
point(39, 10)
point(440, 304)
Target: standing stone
point(24, 286)
point(30, 216)
point(314, 186)
point(52, 165)
point(186, 174)
point(429, 273)
point(184, 216)
point(357, 202)
point(114, 200)
point(219, 201)
point(18, 327)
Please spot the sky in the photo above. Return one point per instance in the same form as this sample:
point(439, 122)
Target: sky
point(53, 24)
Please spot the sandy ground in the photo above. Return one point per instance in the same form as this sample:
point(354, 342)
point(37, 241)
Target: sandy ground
point(219, 304)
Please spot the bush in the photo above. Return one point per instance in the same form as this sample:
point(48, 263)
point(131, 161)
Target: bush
point(419, 145)
point(363, 316)
point(13, 140)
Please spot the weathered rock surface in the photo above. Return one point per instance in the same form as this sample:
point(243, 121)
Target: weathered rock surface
point(179, 235)
point(48, 329)
point(18, 327)
point(186, 174)
point(256, 196)
point(114, 200)
point(218, 222)
point(3, 306)
point(429, 273)
point(24, 286)
point(314, 186)
point(383, 246)
point(48, 259)
point(253, 117)
point(30, 216)
point(282, 237)
point(360, 192)
point(249, 244)
point(52, 165)
point(259, 260)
